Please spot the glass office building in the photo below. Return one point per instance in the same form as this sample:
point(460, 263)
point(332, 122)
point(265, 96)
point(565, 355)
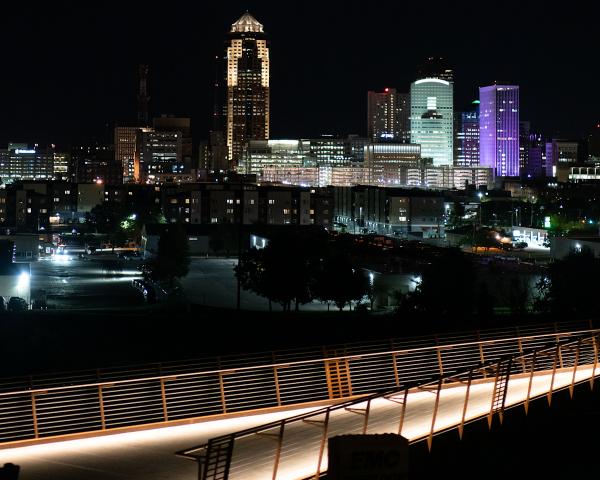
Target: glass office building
point(432, 119)
point(499, 129)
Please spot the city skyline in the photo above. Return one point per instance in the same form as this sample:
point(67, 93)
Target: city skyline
point(329, 83)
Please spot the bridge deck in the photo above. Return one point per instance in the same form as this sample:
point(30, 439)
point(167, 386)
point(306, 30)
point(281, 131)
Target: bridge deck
point(149, 454)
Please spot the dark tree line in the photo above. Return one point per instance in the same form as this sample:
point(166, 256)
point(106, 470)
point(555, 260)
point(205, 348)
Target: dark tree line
point(297, 268)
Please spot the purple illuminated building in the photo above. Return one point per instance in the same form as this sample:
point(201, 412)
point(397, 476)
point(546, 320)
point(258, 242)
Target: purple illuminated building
point(499, 129)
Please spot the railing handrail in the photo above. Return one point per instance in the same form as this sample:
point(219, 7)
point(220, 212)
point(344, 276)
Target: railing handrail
point(110, 383)
point(187, 453)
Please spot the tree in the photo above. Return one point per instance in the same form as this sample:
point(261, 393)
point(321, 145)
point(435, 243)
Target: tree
point(172, 260)
point(284, 271)
point(457, 213)
point(446, 288)
point(339, 281)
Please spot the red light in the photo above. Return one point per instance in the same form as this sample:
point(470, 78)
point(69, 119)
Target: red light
point(386, 90)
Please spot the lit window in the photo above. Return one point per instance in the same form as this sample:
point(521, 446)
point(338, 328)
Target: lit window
point(187, 200)
point(286, 211)
point(271, 201)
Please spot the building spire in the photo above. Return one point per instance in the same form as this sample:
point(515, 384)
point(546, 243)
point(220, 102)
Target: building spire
point(247, 23)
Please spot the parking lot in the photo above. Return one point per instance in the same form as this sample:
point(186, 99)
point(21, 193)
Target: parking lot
point(92, 284)
point(74, 283)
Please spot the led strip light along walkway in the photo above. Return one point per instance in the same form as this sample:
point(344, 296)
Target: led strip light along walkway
point(296, 448)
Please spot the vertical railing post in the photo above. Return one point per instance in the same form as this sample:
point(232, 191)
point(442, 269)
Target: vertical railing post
point(395, 365)
point(367, 412)
point(163, 395)
point(222, 389)
point(323, 442)
point(439, 356)
point(481, 355)
point(557, 356)
point(520, 344)
point(434, 415)
point(34, 416)
point(101, 404)
point(278, 451)
point(560, 359)
point(461, 427)
point(348, 374)
point(595, 344)
point(277, 391)
point(530, 382)
point(276, 379)
point(577, 353)
point(403, 412)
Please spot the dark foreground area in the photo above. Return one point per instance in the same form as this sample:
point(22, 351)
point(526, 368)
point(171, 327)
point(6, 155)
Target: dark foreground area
point(551, 442)
point(52, 341)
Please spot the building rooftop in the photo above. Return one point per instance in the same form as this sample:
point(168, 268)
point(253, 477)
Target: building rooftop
point(247, 23)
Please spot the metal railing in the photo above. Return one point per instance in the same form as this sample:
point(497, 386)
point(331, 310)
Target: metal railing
point(75, 405)
point(296, 447)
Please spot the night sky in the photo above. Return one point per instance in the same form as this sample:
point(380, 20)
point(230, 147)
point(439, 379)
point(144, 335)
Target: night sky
point(69, 70)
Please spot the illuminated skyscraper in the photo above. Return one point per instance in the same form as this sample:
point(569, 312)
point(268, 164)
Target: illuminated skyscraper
point(431, 119)
point(499, 129)
point(125, 138)
point(388, 114)
point(467, 138)
point(247, 86)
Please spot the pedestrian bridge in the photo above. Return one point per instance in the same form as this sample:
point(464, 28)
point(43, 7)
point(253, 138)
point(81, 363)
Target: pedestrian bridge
point(418, 387)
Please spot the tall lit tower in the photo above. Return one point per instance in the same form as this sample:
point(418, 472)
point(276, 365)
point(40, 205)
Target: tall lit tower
point(499, 129)
point(432, 119)
point(247, 86)
point(388, 114)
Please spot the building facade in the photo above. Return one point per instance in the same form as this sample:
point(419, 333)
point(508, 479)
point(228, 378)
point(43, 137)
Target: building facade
point(561, 155)
point(21, 161)
point(386, 162)
point(166, 148)
point(247, 86)
point(125, 143)
point(96, 163)
point(467, 138)
point(499, 129)
point(432, 119)
point(388, 116)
